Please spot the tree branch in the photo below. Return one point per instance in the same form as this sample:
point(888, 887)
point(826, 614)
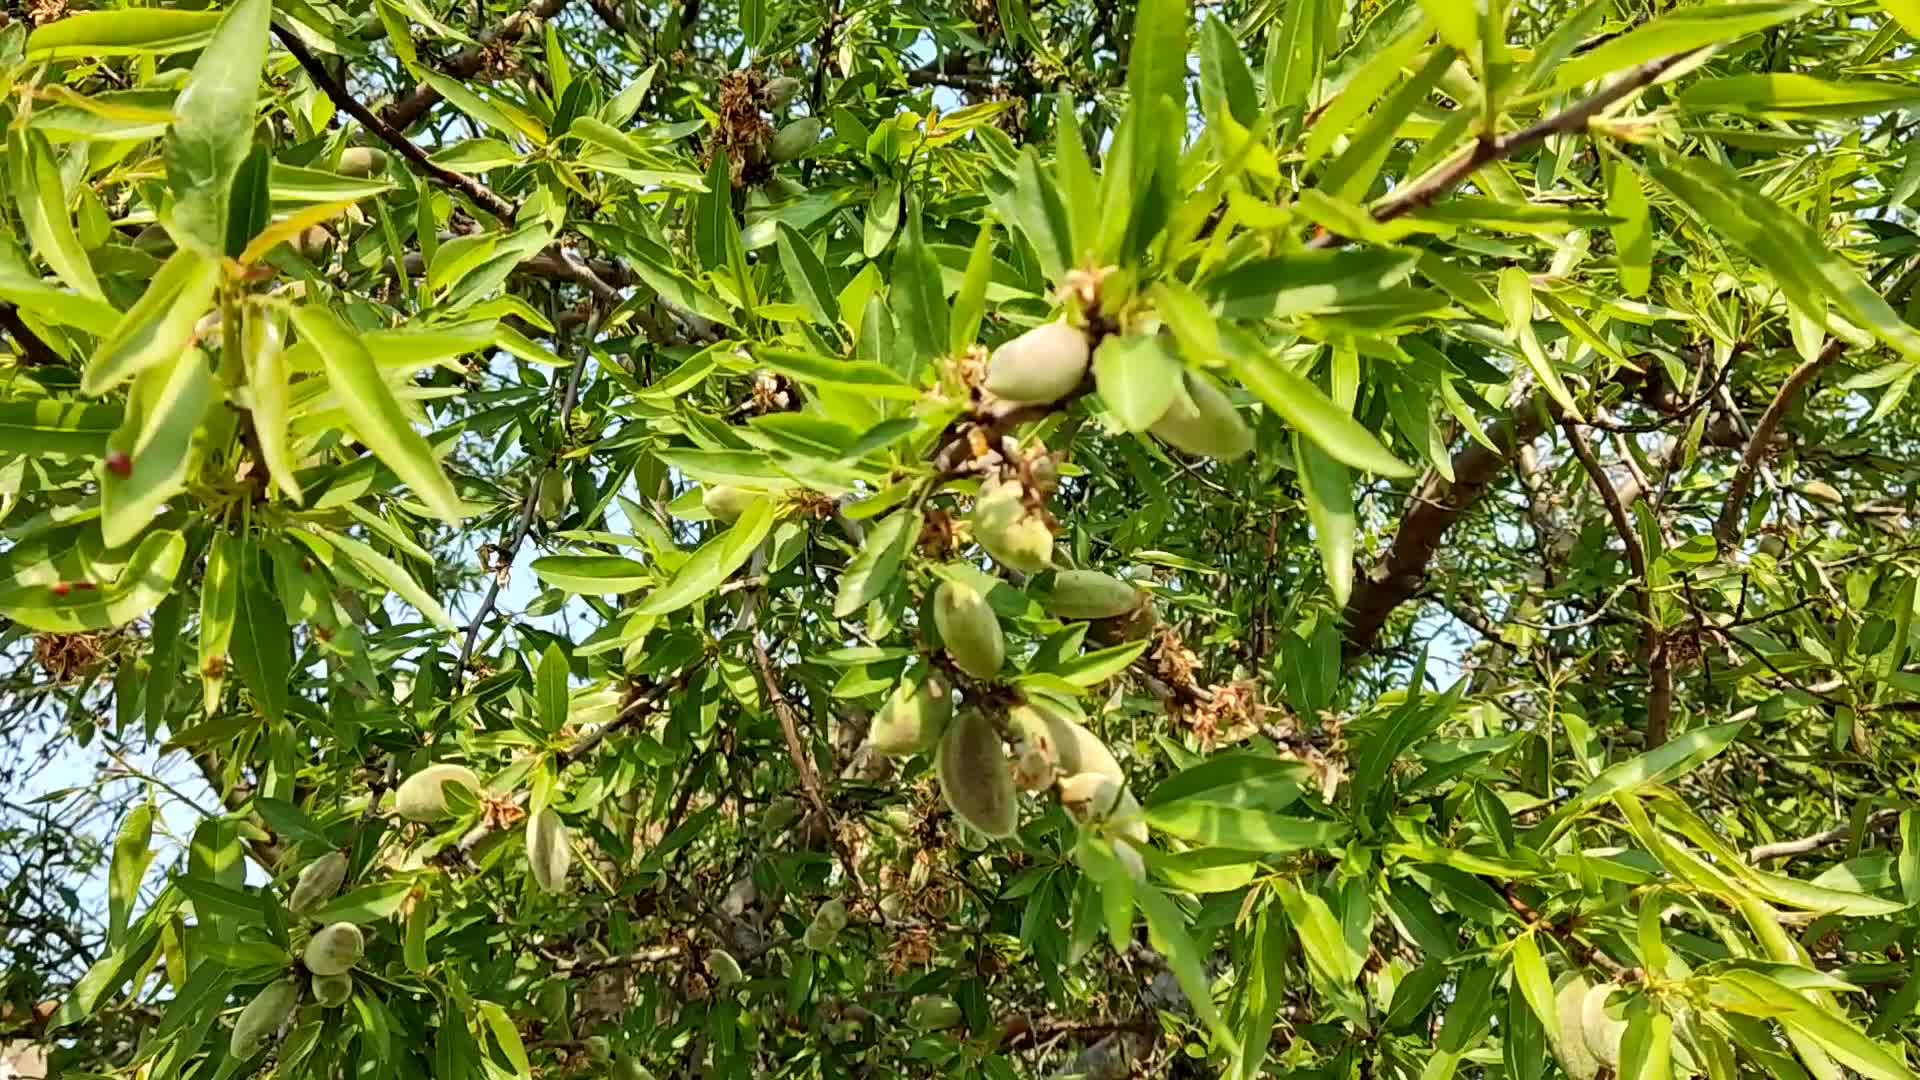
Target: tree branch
point(33, 351)
point(1654, 641)
point(1436, 505)
point(529, 503)
point(481, 195)
point(1726, 527)
point(1787, 849)
point(1491, 148)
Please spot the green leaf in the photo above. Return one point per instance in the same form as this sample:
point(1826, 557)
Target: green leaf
point(550, 688)
point(919, 300)
point(1225, 79)
point(1157, 62)
point(1530, 977)
point(1167, 929)
point(1905, 12)
point(1328, 491)
point(159, 325)
point(970, 305)
point(1516, 299)
point(592, 575)
point(41, 197)
point(268, 382)
point(121, 32)
point(156, 437)
point(860, 376)
point(1793, 95)
point(375, 413)
point(390, 574)
point(366, 905)
point(1633, 237)
point(1094, 668)
point(219, 607)
point(212, 130)
point(479, 108)
point(262, 644)
point(1138, 378)
point(48, 428)
point(716, 561)
point(1663, 764)
point(874, 569)
point(1459, 24)
point(147, 579)
point(1217, 825)
point(132, 854)
point(1351, 175)
point(1677, 32)
point(1304, 406)
point(1307, 282)
point(806, 276)
point(1321, 936)
point(57, 305)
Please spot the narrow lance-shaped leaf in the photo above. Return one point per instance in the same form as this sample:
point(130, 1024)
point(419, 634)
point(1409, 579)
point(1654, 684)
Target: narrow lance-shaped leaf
point(375, 412)
point(41, 197)
point(213, 126)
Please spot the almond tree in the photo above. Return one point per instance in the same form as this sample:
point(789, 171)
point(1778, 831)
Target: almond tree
point(1297, 538)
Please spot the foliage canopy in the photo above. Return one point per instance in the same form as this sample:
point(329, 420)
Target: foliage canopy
point(1304, 538)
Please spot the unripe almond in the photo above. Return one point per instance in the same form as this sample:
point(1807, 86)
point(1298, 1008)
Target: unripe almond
point(1571, 1047)
point(779, 814)
point(332, 991)
point(727, 503)
point(1602, 1033)
point(913, 718)
point(555, 494)
point(832, 914)
point(423, 797)
point(1090, 594)
point(318, 882)
point(548, 852)
point(974, 779)
point(933, 1012)
point(1040, 366)
point(781, 91)
point(335, 949)
point(262, 1017)
point(970, 629)
point(313, 243)
point(1206, 424)
point(1078, 750)
point(1015, 537)
point(795, 139)
point(724, 968)
point(361, 161)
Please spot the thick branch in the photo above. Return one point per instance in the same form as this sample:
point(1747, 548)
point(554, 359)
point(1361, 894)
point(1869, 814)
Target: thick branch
point(1491, 148)
point(402, 114)
point(481, 195)
point(32, 351)
point(1654, 642)
point(1726, 528)
point(1435, 506)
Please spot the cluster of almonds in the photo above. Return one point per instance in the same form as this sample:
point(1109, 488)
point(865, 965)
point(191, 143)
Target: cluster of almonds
point(330, 956)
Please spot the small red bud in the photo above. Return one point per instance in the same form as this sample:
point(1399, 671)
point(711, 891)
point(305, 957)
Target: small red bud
point(61, 588)
point(119, 464)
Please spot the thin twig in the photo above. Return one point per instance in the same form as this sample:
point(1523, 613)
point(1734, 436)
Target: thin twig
point(1654, 641)
point(529, 504)
point(1491, 148)
point(1787, 849)
point(1726, 528)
